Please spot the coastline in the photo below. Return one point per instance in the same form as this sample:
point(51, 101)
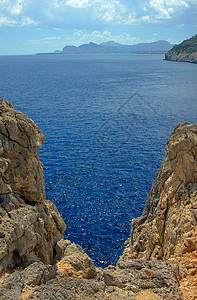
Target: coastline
point(35, 259)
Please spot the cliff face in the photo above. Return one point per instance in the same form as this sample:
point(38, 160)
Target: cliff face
point(167, 228)
point(184, 52)
point(159, 260)
point(30, 226)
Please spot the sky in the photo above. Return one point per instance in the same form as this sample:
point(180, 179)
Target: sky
point(32, 26)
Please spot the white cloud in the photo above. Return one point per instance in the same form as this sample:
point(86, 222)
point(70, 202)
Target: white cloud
point(45, 40)
point(26, 21)
point(13, 7)
point(165, 8)
point(176, 3)
point(146, 18)
point(16, 8)
point(78, 3)
point(114, 11)
point(7, 22)
point(107, 11)
point(162, 10)
point(87, 14)
point(98, 37)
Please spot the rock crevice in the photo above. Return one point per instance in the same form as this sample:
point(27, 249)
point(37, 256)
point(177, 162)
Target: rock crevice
point(159, 260)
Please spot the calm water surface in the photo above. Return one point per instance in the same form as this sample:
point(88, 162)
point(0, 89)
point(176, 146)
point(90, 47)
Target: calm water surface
point(106, 119)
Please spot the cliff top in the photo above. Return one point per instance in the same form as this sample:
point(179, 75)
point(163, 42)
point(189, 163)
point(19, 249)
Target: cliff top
point(188, 46)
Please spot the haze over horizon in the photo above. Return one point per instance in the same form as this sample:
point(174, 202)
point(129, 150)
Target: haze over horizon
point(31, 26)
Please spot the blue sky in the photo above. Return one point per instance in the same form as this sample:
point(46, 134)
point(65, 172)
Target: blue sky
point(31, 26)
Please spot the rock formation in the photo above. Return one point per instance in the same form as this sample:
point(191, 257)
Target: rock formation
point(184, 52)
point(30, 226)
point(167, 228)
point(159, 260)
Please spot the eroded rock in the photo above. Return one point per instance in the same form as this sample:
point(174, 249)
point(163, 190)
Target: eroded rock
point(167, 227)
point(30, 226)
point(37, 263)
point(21, 171)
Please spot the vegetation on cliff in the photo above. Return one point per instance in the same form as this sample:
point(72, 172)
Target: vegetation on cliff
point(185, 52)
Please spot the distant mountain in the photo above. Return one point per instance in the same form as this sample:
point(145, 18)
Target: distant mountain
point(89, 48)
point(184, 52)
point(111, 44)
point(57, 51)
point(112, 47)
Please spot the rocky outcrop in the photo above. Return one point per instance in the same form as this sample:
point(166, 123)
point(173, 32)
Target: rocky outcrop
point(30, 226)
point(167, 228)
point(159, 260)
point(184, 52)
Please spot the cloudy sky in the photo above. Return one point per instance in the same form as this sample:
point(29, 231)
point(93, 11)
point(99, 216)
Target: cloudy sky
point(30, 26)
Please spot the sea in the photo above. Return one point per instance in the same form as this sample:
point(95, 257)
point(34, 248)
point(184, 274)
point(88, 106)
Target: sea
point(106, 119)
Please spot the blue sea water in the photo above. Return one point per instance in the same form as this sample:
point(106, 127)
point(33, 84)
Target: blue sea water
point(106, 119)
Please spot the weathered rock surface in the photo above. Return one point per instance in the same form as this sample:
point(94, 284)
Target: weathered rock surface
point(21, 171)
point(167, 228)
point(159, 260)
point(30, 226)
point(134, 276)
point(184, 52)
point(76, 263)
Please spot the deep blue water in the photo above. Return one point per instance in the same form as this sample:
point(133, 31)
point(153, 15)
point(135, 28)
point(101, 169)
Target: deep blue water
point(106, 119)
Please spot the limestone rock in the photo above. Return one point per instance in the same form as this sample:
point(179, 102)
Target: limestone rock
point(11, 288)
point(76, 263)
point(160, 279)
point(167, 227)
point(20, 284)
point(60, 248)
point(35, 261)
point(37, 274)
point(62, 288)
point(21, 171)
point(30, 226)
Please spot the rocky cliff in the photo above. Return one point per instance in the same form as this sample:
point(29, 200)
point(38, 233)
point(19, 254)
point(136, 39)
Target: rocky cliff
point(30, 226)
point(167, 228)
point(159, 260)
point(184, 52)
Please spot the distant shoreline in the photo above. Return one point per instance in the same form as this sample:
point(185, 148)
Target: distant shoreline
point(78, 54)
point(104, 53)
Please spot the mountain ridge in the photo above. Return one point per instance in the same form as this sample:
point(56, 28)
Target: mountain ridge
point(159, 47)
point(113, 47)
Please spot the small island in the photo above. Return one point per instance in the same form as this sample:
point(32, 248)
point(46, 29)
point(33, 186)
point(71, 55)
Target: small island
point(184, 52)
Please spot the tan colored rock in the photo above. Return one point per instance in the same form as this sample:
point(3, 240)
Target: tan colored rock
point(21, 171)
point(167, 227)
point(30, 226)
point(188, 269)
point(60, 248)
point(76, 263)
